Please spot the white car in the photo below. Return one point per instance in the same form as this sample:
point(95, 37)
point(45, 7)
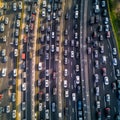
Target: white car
point(46, 83)
point(2, 27)
point(23, 106)
point(20, 5)
point(40, 106)
point(6, 20)
point(47, 96)
point(47, 72)
point(7, 109)
point(16, 32)
point(23, 86)
point(65, 83)
point(18, 23)
point(107, 97)
point(106, 80)
point(77, 79)
point(44, 4)
point(77, 68)
point(13, 97)
point(72, 54)
point(14, 114)
point(26, 28)
point(14, 6)
point(66, 93)
point(14, 72)
point(15, 52)
point(53, 34)
point(47, 114)
point(98, 104)
point(43, 12)
point(76, 14)
point(66, 72)
point(3, 74)
point(73, 96)
point(3, 52)
point(114, 51)
point(39, 66)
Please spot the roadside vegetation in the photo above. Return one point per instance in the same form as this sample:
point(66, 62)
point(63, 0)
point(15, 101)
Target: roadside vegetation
point(114, 11)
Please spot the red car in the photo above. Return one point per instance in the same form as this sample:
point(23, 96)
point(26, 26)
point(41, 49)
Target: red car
point(104, 71)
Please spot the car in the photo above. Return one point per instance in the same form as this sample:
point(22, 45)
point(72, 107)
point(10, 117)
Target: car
point(96, 53)
point(53, 34)
point(76, 14)
point(47, 113)
point(89, 50)
point(16, 32)
point(101, 49)
point(3, 52)
point(19, 15)
point(77, 79)
point(113, 84)
point(14, 6)
point(98, 113)
point(13, 97)
point(104, 59)
point(114, 51)
point(6, 20)
point(103, 4)
point(47, 72)
point(96, 64)
point(97, 90)
point(14, 114)
point(65, 42)
point(118, 84)
point(3, 72)
point(40, 106)
point(94, 34)
point(47, 96)
point(65, 72)
point(43, 12)
point(24, 86)
point(47, 56)
point(108, 34)
point(53, 106)
point(101, 37)
point(117, 117)
point(100, 28)
point(16, 41)
point(48, 17)
point(76, 35)
point(5, 59)
point(106, 80)
point(117, 71)
point(2, 27)
point(65, 60)
point(107, 97)
point(46, 83)
point(65, 83)
point(76, 7)
point(40, 66)
point(66, 16)
point(26, 28)
point(97, 18)
point(20, 5)
point(65, 53)
point(92, 20)
point(95, 44)
point(77, 43)
point(104, 13)
point(118, 94)
point(104, 71)
point(79, 105)
point(15, 52)
point(66, 93)
point(49, 8)
point(106, 20)
point(107, 28)
point(72, 43)
point(73, 96)
point(77, 55)
point(76, 26)
point(66, 32)
point(52, 48)
point(107, 112)
point(44, 4)
point(18, 23)
point(4, 38)
point(54, 15)
point(96, 77)
point(23, 106)
point(7, 109)
point(39, 82)
point(97, 9)
point(97, 104)
point(77, 68)
point(72, 54)
point(115, 61)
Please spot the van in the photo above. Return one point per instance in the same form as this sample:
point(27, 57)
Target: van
point(39, 66)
